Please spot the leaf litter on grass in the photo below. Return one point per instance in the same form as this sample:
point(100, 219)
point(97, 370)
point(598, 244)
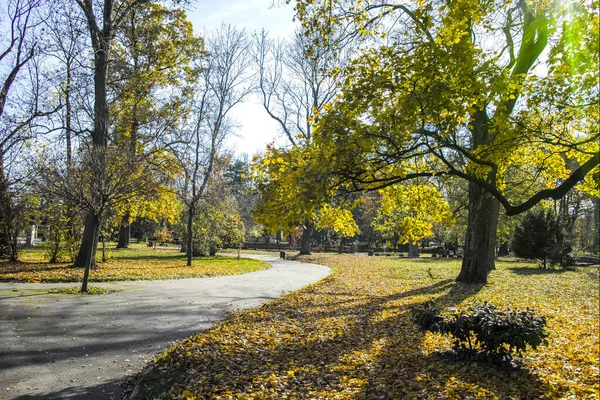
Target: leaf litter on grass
point(351, 337)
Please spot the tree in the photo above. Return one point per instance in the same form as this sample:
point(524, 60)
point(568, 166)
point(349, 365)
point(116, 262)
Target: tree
point(66, 47)
point(238, 181)
point(541, 236)
point(410, 210)
point(152, 71)
point(19, 110)
point(101, 32)
point(223, 83)
point(295, 191)
point(496, 93)
point(294, 89)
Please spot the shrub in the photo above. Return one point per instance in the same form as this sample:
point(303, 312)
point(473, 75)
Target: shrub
point(540, 236)
point(499, 334)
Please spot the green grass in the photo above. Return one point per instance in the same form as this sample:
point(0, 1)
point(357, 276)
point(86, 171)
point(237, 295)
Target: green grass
point(136, 263)
point(351, 337)
point(92, 290)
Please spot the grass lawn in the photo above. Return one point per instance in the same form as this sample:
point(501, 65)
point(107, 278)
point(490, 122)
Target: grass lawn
point(351, 337)
point(136, 263)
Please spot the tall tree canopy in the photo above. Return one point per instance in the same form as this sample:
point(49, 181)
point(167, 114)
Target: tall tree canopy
point(500, 93)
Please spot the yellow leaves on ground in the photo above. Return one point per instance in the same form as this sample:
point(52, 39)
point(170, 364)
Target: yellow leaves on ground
point(126, 264)
point(351, 337)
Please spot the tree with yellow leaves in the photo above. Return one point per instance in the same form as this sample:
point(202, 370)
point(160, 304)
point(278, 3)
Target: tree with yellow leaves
point(294, 191)
point(410, 210)
point(499, 93)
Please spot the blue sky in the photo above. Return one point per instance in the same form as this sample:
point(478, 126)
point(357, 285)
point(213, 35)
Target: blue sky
point(257, 129)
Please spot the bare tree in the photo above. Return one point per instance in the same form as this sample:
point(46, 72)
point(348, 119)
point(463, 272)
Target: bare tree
point(66, 35)
point(294, 87)
point(23, 102)
point(224, 82)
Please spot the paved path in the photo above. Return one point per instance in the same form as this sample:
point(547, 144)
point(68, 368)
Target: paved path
point(64, 346)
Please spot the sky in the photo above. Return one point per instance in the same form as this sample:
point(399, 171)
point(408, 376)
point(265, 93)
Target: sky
point(256, 128)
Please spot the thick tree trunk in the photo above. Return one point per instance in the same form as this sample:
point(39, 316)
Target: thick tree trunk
point(480, 242)
point(306, 239)
point(413, 251)
point(86, 258)
point(124, 233)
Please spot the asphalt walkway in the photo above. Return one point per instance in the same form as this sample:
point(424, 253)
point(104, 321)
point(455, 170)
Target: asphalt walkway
point(56, 346)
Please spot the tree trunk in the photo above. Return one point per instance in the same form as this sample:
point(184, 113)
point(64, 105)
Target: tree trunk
point(86, 258)
point(413, 251)
point(306, 239)
point(124, 233)
point(595, 233)
point(480, 242)
point(29, 240)
point(190, 236)
point(4, 212)
point(14, 244)
point(503, 250)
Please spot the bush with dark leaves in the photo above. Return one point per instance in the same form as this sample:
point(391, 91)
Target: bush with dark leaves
point(498, 333)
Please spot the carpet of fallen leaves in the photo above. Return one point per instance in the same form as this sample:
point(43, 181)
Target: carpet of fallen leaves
point(351, 337)
point(137, 263)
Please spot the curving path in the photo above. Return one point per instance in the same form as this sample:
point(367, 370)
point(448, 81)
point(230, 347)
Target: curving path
point(69, 347)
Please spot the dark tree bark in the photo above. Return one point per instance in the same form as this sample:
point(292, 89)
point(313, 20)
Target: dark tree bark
point(413, 251)
point(90, 242)
point(480, 242)
point(190, 234)
point(306, 239)
point(124, 233)
point(596, 233)
point(484, 209)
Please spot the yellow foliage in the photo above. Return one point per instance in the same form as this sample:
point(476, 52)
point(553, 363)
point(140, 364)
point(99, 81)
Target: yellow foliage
point(410, 211)
point(338, 219)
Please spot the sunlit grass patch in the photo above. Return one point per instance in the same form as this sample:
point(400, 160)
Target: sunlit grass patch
point(136, 263)
point(351, 337)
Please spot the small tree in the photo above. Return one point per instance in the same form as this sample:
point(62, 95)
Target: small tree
point(540, 236)
point(163, 235)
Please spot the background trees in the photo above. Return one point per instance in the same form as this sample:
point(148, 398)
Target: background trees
point(123, 113)
point(295, 88)
point(223, 83)
point(24, 101)
point(409, 211)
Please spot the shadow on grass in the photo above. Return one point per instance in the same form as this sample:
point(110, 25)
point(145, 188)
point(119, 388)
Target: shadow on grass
point(524, 271)
point(330, 354)
point(429, 260)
